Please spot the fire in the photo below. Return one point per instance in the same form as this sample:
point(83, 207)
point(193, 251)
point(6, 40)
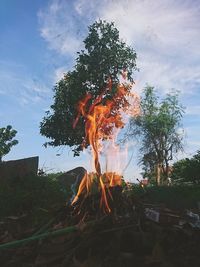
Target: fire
point(84, 186)
point(101, 116)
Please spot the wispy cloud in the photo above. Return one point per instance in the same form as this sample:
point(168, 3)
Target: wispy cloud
point(193, 110)
point(193, 130)
point(63, 24)
point(196, 144)
point(192, 141)
point(60, 28)
point(59, 73)
point(164, 33)
point(16, 83)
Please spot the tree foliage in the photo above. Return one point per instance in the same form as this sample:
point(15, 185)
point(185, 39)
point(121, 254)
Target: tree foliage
point(187, 170)
point(6, 140)
point(158, 129)
point(104, 58)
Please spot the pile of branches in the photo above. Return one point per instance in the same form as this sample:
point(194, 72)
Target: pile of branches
point(89, 237)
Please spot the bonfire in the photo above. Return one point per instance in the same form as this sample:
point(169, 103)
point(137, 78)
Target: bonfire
point(144, 234)
point(103, 118)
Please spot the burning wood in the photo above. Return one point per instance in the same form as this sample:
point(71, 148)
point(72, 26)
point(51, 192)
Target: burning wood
point(102, 115)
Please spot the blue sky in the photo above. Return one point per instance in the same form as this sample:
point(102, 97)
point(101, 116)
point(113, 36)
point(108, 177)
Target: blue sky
point(39, 40)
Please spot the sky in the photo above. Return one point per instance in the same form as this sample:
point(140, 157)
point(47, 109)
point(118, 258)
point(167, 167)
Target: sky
point(39, 41)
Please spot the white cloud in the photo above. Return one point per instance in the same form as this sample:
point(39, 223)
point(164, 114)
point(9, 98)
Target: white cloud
point(192, 141)
point(59, 28)
point(165, 34)
point(59, 73)
point(15, 82)
point(64, 24)
point(196, 144)
point(194, 129)
point(193, 110)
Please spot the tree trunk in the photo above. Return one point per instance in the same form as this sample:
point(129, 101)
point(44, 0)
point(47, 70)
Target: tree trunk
point(166, 170)
point(167, 173)
point(158, 173)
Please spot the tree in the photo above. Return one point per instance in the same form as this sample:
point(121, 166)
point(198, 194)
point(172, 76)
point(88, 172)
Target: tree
point(148, 166)
point(158, 127)
point(187, 170)
point(104, 58)
point(6, 140)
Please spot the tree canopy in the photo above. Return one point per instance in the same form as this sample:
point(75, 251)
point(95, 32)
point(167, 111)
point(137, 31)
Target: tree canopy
point(104, 58)
point(187, 170)
point(158, 127)
point(6, 140)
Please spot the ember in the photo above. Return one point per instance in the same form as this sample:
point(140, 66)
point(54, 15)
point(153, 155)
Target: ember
point(102, 115)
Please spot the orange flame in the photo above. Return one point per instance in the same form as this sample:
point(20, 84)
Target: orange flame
point(101, 116)
point(83, 187)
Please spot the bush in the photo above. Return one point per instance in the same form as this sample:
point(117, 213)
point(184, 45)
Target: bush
point(38, 197)
point(175, 197)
